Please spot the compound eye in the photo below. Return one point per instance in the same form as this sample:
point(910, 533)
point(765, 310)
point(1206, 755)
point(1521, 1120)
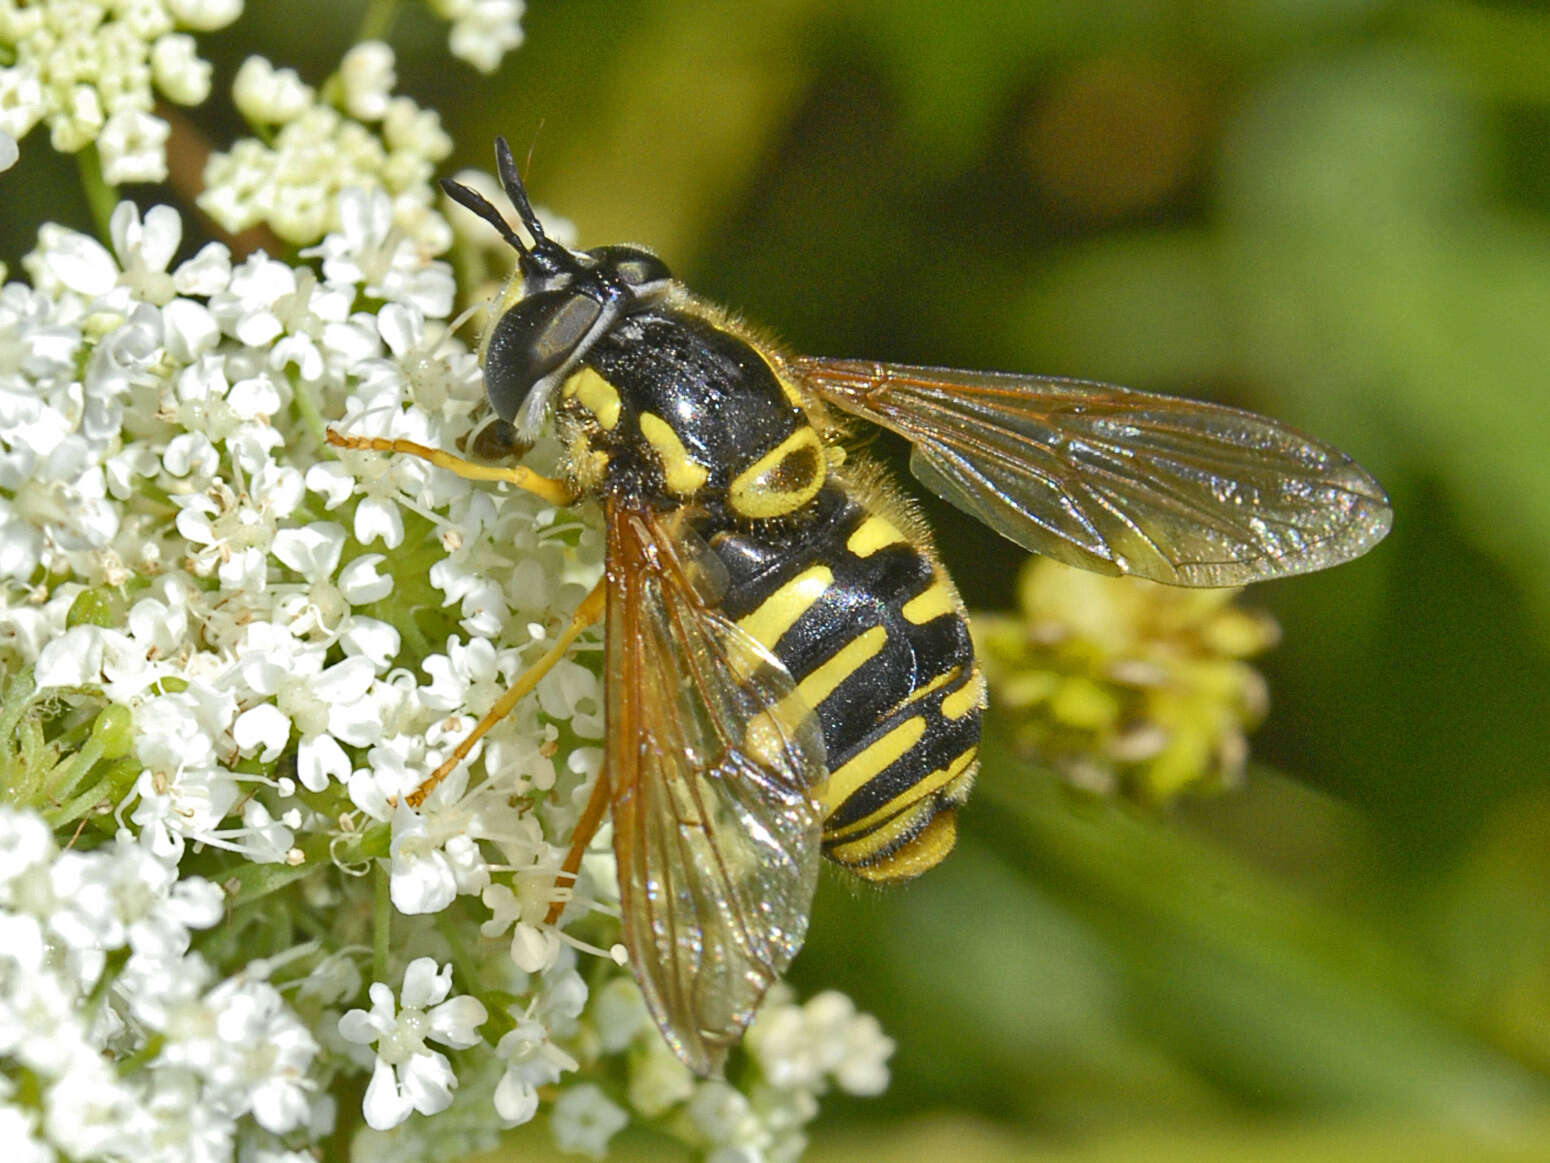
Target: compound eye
point(635, 266)
point(529, 341)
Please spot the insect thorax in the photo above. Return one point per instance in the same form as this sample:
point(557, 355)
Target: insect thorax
point(670, 407)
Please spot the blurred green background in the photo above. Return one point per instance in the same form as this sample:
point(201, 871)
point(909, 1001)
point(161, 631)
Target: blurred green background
point(1333, 211)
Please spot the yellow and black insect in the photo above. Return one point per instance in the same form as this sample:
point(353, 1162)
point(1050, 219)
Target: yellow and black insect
point(788, 669)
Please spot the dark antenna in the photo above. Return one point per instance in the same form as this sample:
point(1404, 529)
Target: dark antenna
point(472, 200)
point(506, 166)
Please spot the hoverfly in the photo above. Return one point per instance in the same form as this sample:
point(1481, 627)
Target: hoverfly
point(788, 669)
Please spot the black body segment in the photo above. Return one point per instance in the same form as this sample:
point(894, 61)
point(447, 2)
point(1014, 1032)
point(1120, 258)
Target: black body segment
point(857, 616)
point(678, 410)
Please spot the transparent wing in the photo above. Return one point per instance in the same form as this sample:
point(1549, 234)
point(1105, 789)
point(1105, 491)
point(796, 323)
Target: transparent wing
point(710, 759)
point(1119, 481)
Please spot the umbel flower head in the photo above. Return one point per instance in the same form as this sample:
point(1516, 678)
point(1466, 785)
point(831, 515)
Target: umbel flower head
point(227, 655)
point(1125, 686)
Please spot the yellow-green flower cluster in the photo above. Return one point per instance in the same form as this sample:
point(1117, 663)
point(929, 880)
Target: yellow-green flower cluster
point(92, 70)
point(310, 145)
point(1125, 686)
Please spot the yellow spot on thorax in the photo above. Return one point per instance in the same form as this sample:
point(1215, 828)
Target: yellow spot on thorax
point(680, 474)
point(596, 395)
point(587, 465)
point(788, 389)
point(782, 480)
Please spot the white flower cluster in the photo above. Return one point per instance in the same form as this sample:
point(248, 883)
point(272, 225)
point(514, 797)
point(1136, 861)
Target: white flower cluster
point(483, 31)
point(312, 147)
point(158, 469)
point(88, 68)
point(799, 1052)
point(228, 651)
point(95, 970)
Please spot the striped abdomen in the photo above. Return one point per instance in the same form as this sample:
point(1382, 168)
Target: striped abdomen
point(874, 635)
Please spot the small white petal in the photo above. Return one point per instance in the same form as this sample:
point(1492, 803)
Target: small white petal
point(359, 721)
point(534, 948)
point(264, 725)
point(360, 582)
point(319, 761)
point(207, 273)
point(428, 1082)
point(424, 984)
point(384, 1106)
point(367, 76)
point(420, 881)
point(179, 72)
point(350, 343)
point(332, 482)
point(190, 329)
point(312, 551)
point(370, 638)
point(74, 658)
point(255, 398)
point(455, 1022)
point(159, 237)
point(376, 518)
point(400, 326)
point(279, 1105)
point(267, 95)
point(82, 264)
point(359, 1027)
point(300, 352)
point(516, 1101)
point(204, 15)
point(345, 682)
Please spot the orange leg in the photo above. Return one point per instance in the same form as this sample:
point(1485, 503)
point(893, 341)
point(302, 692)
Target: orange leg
point(588, 612)
point(580, 837)
point(556, 492)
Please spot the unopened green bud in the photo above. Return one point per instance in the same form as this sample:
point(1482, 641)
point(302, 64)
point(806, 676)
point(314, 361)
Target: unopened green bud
point(113, 731)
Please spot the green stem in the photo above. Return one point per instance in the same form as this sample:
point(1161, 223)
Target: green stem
point(115, 779)
point(77, 769)
point(310, 416)
point(378, 20)
point(382, 919)
point(100, 196)
point(467, 969)
point(75, 808)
